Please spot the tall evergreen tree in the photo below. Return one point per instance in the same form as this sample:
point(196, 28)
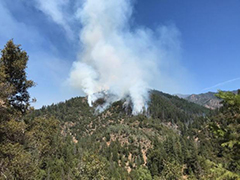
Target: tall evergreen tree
point(226, 129)
point(15, 161)
point(13, 64)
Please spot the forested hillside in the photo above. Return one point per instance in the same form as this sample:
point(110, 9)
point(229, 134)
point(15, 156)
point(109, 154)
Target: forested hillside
point(125, 140)
point(173, 139)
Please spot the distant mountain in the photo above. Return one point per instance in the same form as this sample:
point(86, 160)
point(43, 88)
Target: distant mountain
point(208, 100)
point(182, 95)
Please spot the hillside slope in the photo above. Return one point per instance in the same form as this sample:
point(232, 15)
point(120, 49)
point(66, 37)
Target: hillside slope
point(125, 139)
point(208, 100)
point(171, 140)
point(161, 106)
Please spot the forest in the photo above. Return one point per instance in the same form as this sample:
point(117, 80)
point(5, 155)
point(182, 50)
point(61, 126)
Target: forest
point(173, 139)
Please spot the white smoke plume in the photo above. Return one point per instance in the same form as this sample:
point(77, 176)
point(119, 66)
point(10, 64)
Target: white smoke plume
point(119, 60)
point(55, 9)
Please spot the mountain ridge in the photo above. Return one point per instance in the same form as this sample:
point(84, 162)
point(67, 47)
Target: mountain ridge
point(208, 100)
point(167, 116)
point(169, 141)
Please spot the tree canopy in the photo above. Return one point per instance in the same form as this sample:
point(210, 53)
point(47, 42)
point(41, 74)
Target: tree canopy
point(13, 64)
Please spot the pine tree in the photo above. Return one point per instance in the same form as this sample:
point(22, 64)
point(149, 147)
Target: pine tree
point(15, 161)
point(13, 64)
point(226, 128)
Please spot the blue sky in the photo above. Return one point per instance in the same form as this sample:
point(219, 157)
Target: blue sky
point(49, 32)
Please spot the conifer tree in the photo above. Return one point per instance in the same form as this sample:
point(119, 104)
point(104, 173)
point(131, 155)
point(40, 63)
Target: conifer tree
point(13, 64)
point(15, 161)
point(226, 128)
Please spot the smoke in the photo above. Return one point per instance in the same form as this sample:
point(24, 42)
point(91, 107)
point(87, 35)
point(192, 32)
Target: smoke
point(118, 61)
point(56, 10)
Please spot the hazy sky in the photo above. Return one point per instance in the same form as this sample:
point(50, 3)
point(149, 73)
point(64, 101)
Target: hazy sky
point(49, 32)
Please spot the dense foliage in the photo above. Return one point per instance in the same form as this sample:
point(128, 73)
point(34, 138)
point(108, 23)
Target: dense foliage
point(174, 139)
point(13, 64)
